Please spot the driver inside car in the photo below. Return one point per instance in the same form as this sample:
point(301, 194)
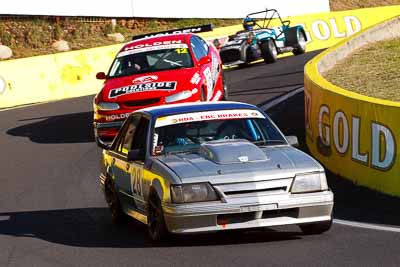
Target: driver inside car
point(234, 129)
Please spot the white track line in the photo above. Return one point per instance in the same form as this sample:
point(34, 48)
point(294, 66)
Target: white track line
point(369, 226)
point(282, 98)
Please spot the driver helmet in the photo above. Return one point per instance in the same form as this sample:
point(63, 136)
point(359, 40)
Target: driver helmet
point(248, 23)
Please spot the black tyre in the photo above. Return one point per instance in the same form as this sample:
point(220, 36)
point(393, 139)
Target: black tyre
point(225, 87)
point(297, 40)
point(269, 51)
point(155, 220)
point(315, 228)
point(301, 44)
point(203, 94)
point(243, 65)
point(117, 214)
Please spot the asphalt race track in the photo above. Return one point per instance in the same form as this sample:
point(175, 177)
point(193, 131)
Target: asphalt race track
point(52, 212)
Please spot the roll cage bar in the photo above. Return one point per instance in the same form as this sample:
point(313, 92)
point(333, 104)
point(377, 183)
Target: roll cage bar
point(274, 14)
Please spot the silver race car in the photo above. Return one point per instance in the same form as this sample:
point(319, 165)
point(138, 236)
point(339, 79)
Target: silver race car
point(208, 167)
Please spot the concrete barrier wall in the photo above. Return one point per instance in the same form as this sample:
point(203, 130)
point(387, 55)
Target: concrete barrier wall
point(72, 74)
point(53, 77)
point(353, 135)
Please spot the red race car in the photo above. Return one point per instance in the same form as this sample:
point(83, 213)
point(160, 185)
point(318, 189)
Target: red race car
point(164, 68)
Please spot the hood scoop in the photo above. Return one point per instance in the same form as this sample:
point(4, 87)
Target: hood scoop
point(232, 151)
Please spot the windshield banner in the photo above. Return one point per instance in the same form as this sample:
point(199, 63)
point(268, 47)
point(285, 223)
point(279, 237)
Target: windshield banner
point(147, 48)
point(209, 115)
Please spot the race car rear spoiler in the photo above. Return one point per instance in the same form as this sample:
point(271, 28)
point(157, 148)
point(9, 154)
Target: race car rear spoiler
point(194, 29)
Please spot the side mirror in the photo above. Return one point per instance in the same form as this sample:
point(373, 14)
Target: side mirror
point(204, 60)
point(292, 140)
point(135, 154)
point(217, 43)
point(102, 144)
point(101, 76)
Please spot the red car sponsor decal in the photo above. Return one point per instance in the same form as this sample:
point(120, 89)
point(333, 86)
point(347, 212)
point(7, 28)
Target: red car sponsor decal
point(143, 87)
point(153, 44)
point(145, 79)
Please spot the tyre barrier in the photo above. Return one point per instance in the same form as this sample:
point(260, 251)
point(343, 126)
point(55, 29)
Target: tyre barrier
point(72, 74)
point(354, 136)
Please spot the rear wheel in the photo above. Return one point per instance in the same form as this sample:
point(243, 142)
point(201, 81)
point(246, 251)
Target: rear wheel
point(269, 51)
point(155, 220)
point(225, 88)
point(300, 47)
point(315, 228)
point(203, 94)
point(243, 65)
point(117, 214)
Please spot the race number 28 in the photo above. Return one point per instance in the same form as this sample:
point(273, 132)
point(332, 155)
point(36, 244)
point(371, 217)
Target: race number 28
point(137, 181)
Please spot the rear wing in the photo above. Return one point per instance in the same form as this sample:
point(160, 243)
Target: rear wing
point(194, 29)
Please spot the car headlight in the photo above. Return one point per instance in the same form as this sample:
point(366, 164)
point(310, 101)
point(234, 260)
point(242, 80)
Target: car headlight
point(309, 182)
point(107, 106)
point(180, 96)
point(187, 193)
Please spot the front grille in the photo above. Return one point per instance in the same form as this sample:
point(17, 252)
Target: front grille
point(292, 213)
point(251, 216)
point(255, 188)
point(235, 218)
point(230, 55)
point(142, 102)
point(268, 190)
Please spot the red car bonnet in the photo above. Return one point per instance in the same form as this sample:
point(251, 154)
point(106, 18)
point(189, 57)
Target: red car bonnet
point(134, 87)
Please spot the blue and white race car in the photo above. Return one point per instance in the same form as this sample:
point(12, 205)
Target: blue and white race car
point(260, 41)
point(206, 167)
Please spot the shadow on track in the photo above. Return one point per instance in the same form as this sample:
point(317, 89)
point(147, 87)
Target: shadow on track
point(69, 128)
point(352, 202)
point(92, 227)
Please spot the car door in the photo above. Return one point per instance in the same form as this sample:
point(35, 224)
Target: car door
point(200, 50)
point(136, 167)
point(120, 165)
point(210, 70)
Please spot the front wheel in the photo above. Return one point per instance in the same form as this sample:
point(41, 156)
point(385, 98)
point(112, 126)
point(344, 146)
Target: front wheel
point(155, 220)
point(315, 228)
point(269, 51)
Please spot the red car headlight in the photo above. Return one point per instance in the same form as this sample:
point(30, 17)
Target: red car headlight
point(107, 106)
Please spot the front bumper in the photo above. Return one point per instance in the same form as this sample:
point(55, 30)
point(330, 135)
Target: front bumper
point(249, 212)
point(232, 56)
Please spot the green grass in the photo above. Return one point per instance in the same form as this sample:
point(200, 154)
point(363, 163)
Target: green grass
point(372, 71)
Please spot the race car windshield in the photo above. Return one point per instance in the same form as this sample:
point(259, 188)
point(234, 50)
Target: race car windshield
point(186, 137)
point(151, 61)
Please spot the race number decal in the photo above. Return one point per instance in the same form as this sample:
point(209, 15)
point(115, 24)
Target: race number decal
point(181, 50)
point(214, 69)
point(209, 82)
point(137, 181)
